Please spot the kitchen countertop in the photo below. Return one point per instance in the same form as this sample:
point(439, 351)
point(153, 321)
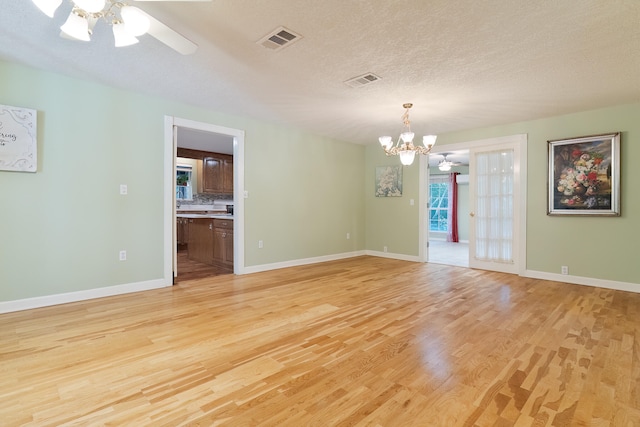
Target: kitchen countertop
point(214, 216)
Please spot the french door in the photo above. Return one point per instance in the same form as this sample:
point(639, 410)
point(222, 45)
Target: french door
point(497, 215)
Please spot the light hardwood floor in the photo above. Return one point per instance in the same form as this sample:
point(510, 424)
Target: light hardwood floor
point(365, 341)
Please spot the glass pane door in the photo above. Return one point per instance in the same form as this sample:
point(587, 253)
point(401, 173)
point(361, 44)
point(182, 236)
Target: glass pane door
point(493, 227)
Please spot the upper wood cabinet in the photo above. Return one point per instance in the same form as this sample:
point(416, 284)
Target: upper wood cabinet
point(217, 174)
point(217, 170)
point(212, 175)
point(227, 174)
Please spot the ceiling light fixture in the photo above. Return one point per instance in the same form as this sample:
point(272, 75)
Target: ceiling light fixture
point(127, 21)
point(404, 146)
point(444, 166)
point(77, 25)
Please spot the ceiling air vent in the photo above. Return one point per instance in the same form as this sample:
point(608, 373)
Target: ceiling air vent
point(362, 80)
point(279, 39)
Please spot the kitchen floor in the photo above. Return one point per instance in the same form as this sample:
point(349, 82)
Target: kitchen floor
point(190, 270)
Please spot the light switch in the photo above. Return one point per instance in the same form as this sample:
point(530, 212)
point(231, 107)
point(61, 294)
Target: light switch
point(411, 202)
point(123, 189)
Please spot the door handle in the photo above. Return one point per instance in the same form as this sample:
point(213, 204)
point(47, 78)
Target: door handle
point(210, 226)
point(472, 214)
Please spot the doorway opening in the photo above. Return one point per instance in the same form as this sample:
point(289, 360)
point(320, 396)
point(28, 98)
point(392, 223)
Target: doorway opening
point(505, 182)
point(448, 208)
point(204, 201)
point(204, 192)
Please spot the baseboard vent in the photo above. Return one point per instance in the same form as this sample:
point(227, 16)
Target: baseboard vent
point(279, 39)
point(362, 80)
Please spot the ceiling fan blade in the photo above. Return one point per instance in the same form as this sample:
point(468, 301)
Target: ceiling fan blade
point(170, 37)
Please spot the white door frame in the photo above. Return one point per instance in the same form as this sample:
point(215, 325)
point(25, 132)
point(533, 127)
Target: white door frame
point(171, 123)
point(520, 171)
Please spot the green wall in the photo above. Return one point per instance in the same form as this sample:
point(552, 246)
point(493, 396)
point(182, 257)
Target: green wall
point(392, 221)
point(592, 247)
point(62, 227)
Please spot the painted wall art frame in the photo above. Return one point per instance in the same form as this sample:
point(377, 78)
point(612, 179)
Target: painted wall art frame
point(388, 181)
point(18, 139)
point(584, 175)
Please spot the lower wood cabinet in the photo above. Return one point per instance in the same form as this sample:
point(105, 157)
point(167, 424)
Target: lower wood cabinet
point(182, 230)
point(211, 242)
point(200, 246)
point(223, 243)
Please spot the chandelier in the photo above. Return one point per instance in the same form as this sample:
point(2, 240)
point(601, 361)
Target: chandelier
point(404, 146)
point(127, 22)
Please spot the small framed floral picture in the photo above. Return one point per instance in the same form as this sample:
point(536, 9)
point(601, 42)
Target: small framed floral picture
point(388, 181)
point(584, 175)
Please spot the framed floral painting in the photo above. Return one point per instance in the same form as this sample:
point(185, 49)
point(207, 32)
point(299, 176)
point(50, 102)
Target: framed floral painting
point(388, 181)
point(584, 175)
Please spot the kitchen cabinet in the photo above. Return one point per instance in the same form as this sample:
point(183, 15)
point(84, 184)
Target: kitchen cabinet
point(200, 246)
point(217, 170)
point(223, 243)
point(217, 174)
point(211, 241)
point(182, 230)
point(227, 175)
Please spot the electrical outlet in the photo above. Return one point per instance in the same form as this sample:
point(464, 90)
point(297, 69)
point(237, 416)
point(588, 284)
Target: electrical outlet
point(348, 236)
point(384, 249)
point(260, 244)
point(123, 189)
point(564, 269)
point(123, 255)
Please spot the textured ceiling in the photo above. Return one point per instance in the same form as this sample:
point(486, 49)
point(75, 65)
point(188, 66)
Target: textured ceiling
point(463, 64)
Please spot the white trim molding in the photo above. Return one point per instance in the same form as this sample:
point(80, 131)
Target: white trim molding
point(584, 281)
point(401, 257)
point(303, 261)
point(56, 299)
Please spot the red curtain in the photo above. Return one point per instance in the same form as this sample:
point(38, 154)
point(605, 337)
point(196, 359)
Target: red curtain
point(452, 214)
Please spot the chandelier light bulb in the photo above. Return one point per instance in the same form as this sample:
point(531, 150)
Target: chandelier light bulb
point(407, 137)
point(407, 156)
point(429, 141)
point(385, 142)
point(48, 7)
point(444, 166)
point(135, 21)
point(91, 6)
point(76, 27)
point(121, 36)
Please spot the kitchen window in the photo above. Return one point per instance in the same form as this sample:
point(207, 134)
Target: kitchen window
point(184, 187)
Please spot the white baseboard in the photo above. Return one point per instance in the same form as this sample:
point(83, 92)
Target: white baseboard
point(303, 261)
point(402, 257)
point(585, 281)
point(49, 300)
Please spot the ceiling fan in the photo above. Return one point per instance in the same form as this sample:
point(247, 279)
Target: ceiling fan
point(128, 22)
point(445, 165)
